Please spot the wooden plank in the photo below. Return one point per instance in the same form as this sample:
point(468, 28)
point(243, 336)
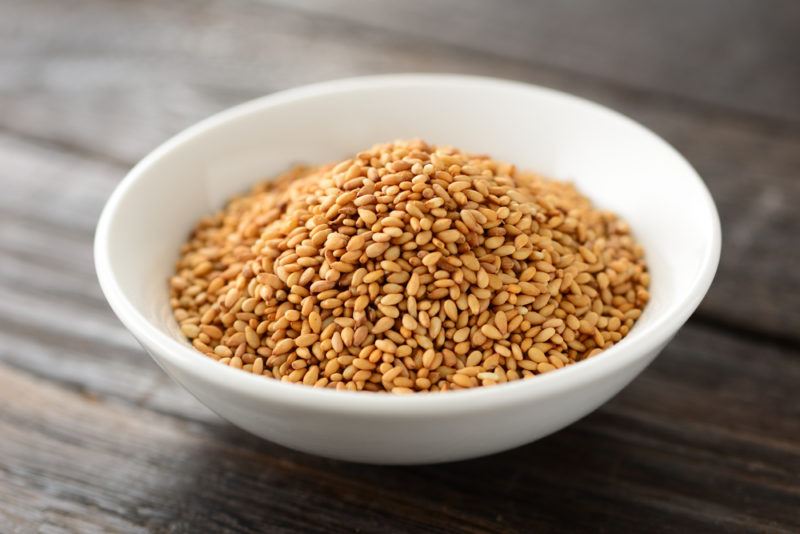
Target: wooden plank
point(149, 472)
point(694, 444)
point(114, 114)
point(54, 320)
point(735, 54)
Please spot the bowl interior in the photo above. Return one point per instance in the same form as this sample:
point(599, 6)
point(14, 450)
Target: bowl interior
point(617, 163)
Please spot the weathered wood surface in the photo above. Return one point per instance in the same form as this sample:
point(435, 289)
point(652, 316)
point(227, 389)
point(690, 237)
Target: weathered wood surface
point(94, 437)
point(726, 53)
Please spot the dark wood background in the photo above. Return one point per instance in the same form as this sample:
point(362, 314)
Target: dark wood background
point(94, 437)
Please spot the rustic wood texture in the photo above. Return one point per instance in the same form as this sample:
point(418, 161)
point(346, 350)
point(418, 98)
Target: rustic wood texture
point(94, 437)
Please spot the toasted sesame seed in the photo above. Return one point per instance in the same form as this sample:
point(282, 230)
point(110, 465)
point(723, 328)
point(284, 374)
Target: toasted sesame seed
point(382, 325)
point(223, 351)
point(252, 338)
point(190, 330)
point(491, 332)
point(408, 268)
point(305, 340)
point(462, 380)
point(284, 345)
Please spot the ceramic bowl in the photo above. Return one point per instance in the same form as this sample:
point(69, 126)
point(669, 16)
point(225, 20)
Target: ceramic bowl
point(619, 164)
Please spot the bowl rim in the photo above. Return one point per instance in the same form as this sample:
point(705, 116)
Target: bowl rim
point(480, 399)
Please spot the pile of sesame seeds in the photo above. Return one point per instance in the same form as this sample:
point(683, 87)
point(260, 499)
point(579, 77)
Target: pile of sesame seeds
point(408, 268)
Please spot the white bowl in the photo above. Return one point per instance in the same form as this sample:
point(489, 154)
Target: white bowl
point(619, 164)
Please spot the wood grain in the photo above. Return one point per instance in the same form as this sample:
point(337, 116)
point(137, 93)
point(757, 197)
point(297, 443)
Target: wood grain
point(736, 54)
point(95, 438)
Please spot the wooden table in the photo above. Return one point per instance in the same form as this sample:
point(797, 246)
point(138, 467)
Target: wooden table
point(94, 437)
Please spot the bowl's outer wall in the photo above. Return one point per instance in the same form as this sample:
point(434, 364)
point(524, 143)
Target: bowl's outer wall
point(619, 165)
point(375, 439)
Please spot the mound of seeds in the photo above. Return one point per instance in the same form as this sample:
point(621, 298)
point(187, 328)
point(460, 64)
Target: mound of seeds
point(408, 268)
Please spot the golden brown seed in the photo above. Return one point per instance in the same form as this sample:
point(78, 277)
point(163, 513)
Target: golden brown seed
point(536, 355)
point(449, 236)
point(311, 376)
point(284, 345)
point(315, 321)
point(202, 268)
point(413, 285)
point(231, 297)
point(545, 367)
point(491, 332)
point(367, 216)
point(376, 249)
point(505, 250)
point(432, 259)
point(252, 338)
point(428, 358)
point(223, 351)
point(462, 380)
point(382, 325)
point(190, 330)
point(545, 334)
point(211, 331)
point(305, 340)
